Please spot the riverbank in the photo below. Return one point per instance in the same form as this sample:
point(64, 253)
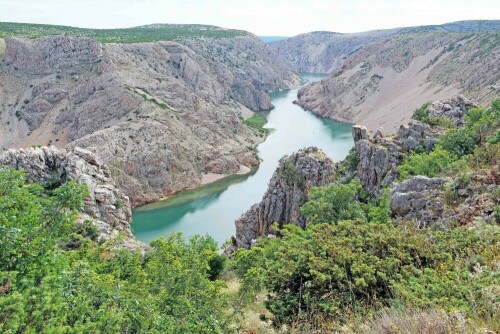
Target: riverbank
point(213, 207)
point(212, 177)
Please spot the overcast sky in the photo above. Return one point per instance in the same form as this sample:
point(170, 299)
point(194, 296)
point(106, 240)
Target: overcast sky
point(262, 17)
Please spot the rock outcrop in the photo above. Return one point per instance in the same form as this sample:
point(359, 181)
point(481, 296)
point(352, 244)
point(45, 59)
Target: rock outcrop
point(455, 109)
point(160, 114)
point(287, 191)
point(106, 207)
point(419, 200)
point(384, 82)
point(378, 158)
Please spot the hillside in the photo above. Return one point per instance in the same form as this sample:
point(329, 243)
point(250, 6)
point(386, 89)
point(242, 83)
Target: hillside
point(402, 236)
point(160, 114)
point(381, 84)
point(325, 52)
point(141, 34)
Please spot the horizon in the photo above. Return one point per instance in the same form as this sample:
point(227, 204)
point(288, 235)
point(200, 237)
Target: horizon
point(262, 18)
point(258, 35)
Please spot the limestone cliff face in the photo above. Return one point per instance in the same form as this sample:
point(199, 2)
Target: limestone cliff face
point(323, 51)
point(384, 82)
point(287, 191)
point(159, 114)
point(326, 52)
point(106, 207)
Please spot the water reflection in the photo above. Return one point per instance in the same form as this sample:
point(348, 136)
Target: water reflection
point(213, 208)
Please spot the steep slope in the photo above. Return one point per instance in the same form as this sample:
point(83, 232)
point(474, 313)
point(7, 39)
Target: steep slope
point(288, 190)
point(325, 52)
point(159, 114)
point(382, 84)
point(106, 207)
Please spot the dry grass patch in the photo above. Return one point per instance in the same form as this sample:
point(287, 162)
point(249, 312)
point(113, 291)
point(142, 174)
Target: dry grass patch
point(420, 322)
point(2, 45)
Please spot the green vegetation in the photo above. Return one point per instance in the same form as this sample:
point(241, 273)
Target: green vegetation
point(351, 270)
point(331, 271)
point(257, 121)
point(427, 164)
point(151, 33)
point(54, 277)
point(422, 114)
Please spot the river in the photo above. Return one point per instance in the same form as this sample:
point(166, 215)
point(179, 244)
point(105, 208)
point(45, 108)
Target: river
point(213, 208)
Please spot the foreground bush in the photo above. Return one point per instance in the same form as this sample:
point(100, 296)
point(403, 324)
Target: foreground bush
point(97, 289)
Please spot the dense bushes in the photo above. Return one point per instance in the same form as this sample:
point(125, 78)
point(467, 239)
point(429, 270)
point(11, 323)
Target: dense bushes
point(84, 288)
point(331, 270)
point(427, 164)
point(351, 262)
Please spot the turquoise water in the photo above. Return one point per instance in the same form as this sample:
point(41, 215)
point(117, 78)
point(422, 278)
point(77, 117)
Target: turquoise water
point(213, 208)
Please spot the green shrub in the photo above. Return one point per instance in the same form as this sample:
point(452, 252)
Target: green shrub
point(332, 203)
point(421, 114)
point(257, 121)
point(55, 279)
point(329, 271)
point(427, 164)
point(291, 175)
point(452, 188)
point(459, 142)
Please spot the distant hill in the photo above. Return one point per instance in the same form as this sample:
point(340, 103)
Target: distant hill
point(162, 114)
point(325, 52)
point(147, 33)
point(381, 84)
point(269, 39)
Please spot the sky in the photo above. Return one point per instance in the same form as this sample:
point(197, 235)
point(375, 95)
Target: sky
point(261, 17)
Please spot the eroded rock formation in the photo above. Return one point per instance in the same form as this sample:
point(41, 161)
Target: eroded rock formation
point(287, 191)
point(160, 114)
point(383, 83)
point(106, 207)
point(418, 199)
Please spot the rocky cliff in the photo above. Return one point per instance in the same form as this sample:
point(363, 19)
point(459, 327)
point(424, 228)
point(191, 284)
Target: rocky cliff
point(420, 200)
point(106, 207)
point(160, 114)
point(383, 83)
point(326, 52)
point(287, 191)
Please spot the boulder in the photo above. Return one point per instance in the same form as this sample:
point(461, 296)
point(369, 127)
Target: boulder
point(418, 200)
point(455, 109)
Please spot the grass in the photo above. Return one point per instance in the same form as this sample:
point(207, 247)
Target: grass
point(149, 33)
point(257, 121)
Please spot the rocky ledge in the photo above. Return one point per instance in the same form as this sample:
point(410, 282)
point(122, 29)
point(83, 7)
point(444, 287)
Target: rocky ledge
point(288, 190)
point(106, 207)
point(420, 200)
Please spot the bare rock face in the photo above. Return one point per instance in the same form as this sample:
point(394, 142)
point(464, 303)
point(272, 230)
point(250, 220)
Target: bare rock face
point(287, 191)
point(359, 132)
point(379, 157)
point(418, 200)
point(46, 56)
point(377, 166)
point(106, 207)
point(325, 51)
point(382, 83)
point(160, 115)
point(414, 135)
point(455, 109)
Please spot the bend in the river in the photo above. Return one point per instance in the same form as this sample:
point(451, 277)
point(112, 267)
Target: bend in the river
point(212, 209)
